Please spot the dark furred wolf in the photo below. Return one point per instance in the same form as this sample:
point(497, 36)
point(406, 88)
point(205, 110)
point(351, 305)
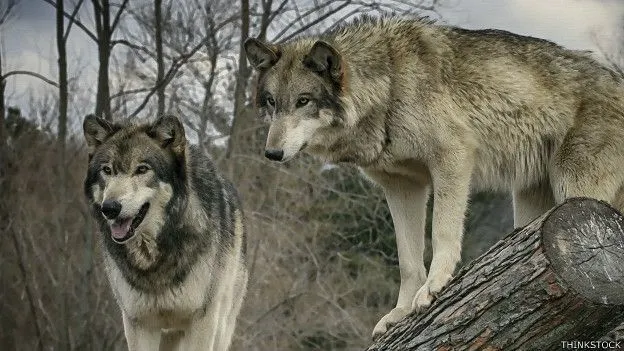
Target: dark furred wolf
point(173, 235)
point(423, 108)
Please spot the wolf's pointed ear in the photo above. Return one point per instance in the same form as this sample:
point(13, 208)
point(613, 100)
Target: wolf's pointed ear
point(168, 131)
point(260, 55)
point(324, 58)
point(96, 130)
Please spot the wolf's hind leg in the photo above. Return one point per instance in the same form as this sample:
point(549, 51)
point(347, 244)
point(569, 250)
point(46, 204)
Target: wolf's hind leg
point(589, 161)
point(582, 182)
point(618, 202)
point(580, 168)
point(407, 200)
point(531, 203)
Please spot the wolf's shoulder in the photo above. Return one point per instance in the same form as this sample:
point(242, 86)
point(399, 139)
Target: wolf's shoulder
point(207, 179)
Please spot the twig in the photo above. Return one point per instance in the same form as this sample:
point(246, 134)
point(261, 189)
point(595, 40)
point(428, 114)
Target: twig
point(307, 13)
point(71, 20)
point(75, 21)
point(28, 73)
point(175, 66)
point(118, 15)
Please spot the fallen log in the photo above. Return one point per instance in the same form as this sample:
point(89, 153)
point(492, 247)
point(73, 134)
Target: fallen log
point(560, 279)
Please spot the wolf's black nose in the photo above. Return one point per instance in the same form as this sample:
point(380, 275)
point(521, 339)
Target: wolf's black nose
point(274, 154)
point(111, 209)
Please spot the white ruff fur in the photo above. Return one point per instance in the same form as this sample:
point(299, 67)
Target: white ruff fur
point(196, 319)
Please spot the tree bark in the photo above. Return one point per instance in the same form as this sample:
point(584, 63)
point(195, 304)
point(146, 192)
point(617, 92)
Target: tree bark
point(62, 136)
point(2, 116)
point(104, 32)
point(62, 65)
point(160, 61)
point(240, 97)
point(561, 278)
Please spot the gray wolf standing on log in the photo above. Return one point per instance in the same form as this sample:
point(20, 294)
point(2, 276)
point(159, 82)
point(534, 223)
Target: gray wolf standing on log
point(421, 107)
point(173, 235)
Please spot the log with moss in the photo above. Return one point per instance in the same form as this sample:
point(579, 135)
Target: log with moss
point(559, 279)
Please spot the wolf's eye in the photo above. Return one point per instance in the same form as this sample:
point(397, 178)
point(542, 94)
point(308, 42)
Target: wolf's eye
point(142, 169)
point(270, 101)
point(107, 170)
point(302, 101)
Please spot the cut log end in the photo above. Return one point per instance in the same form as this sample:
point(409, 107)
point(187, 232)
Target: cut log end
point(583, 239)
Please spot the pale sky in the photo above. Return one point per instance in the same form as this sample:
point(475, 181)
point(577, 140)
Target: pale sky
point(567, 22)
point(29, 40)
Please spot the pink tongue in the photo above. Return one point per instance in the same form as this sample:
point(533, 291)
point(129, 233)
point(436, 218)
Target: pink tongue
point(120, 230)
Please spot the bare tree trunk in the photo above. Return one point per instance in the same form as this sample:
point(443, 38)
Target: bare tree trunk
point(6, 227)
point(4, 16)
point(267, 7)
point(102, 38)
point(62, 65)
point(2, 118)
point(103, 29)
point(207, 104)
point(240, 96)
point(62, 136)
point(160, 73)
point(558, 279)
point(205, 115)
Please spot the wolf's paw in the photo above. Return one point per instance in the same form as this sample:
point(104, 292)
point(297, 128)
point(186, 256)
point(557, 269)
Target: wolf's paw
point(390, 319)
point(429, 291)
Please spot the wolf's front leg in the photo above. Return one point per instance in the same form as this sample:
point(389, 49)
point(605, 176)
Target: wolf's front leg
point(407, 200)
point(202, 332)
point(451, 186)
point(140, 338)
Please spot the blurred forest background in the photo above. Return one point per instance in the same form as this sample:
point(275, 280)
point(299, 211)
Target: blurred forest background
point(322, 250)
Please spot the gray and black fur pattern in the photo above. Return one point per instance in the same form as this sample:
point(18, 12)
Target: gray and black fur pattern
point(194, 217)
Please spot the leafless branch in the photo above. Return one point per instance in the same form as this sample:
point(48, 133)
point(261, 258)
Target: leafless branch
point(343, 18)
point(305, 14)
point(118, 15)
point(122, 92)
point(277, 11)
point(77, 22)
point(175, 66)
point(6, 12)
point(133, 46)
point(28, 73)
point(316, 21)
point(72, 19)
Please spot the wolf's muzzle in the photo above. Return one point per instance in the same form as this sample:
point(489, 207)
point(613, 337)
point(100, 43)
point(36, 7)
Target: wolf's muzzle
point(274, 154)
point(111, 209)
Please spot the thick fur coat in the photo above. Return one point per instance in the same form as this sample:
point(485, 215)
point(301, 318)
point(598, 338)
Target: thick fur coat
point(423, 108)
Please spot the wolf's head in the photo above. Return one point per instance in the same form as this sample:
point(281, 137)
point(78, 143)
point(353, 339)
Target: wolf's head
point(298, 92)
point(132, 174)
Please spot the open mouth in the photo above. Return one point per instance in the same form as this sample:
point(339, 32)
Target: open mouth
point(123, 228)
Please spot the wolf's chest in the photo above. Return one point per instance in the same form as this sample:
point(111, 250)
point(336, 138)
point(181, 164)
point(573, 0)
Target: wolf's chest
point(170, 308)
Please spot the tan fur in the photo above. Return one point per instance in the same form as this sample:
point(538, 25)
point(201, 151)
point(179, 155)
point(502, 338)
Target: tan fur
point(438, 108)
